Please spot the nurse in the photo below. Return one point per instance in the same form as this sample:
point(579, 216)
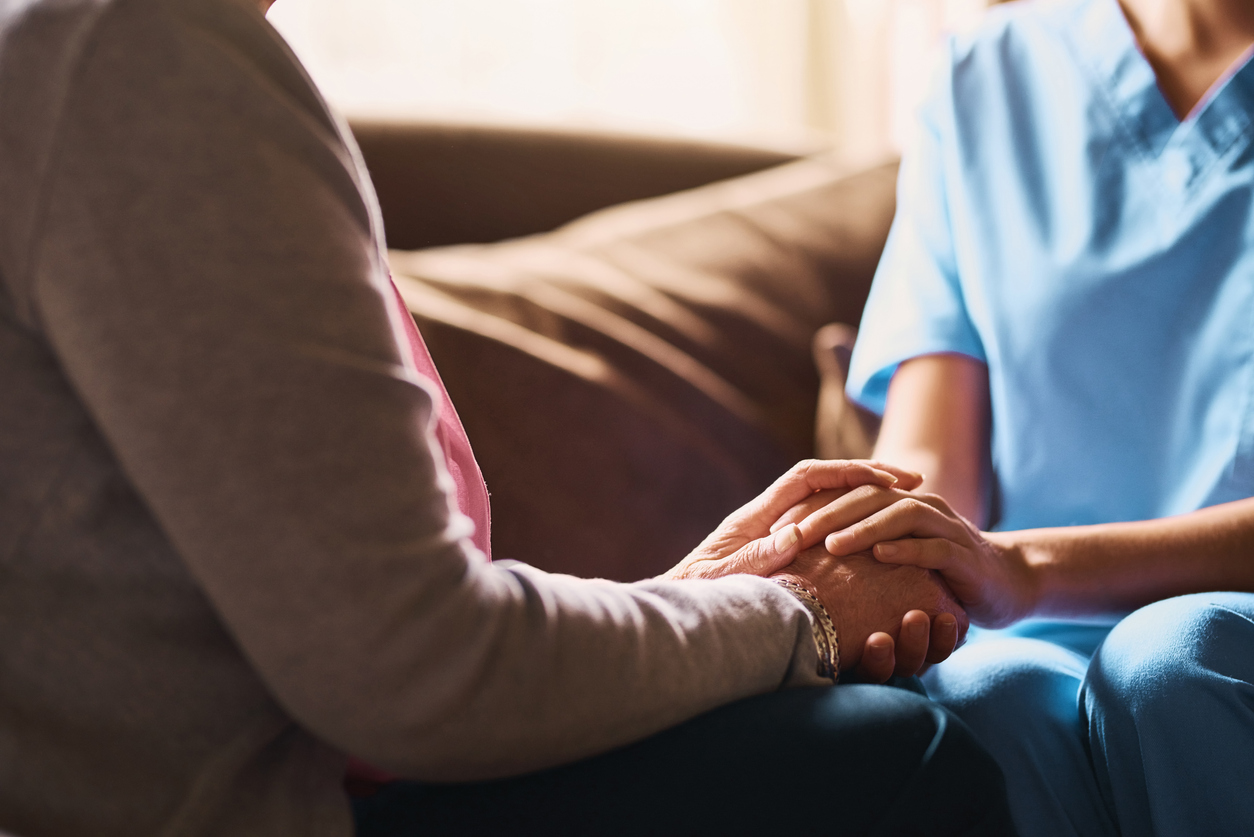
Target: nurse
point(1061, 335)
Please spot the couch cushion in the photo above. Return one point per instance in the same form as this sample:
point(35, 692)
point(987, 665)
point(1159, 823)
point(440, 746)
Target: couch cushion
point(632, 377)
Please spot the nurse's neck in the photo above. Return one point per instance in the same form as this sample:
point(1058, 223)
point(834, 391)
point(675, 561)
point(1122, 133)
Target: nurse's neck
point(1190, 44)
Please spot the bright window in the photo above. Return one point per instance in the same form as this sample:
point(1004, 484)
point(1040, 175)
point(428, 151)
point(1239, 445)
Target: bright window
point(843, 72)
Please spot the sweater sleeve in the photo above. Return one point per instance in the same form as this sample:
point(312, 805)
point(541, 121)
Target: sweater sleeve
point(209, 274)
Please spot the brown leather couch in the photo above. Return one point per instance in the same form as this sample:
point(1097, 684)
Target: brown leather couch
point(627, 324)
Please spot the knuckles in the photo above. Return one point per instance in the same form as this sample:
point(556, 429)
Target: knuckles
point(915, 506)
point(937, 502)
point(803, 468)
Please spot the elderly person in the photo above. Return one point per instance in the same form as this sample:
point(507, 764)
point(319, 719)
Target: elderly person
point(1060, 336)
point(242, 534)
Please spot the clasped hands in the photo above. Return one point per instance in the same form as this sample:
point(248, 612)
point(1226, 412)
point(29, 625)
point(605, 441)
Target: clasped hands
point(857, 536)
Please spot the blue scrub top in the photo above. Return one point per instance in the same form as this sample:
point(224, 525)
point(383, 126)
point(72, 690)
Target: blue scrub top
point(1058, 222)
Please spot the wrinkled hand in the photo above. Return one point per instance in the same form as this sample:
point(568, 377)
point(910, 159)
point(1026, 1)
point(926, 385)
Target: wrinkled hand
point(991, 579)
point(747, 543)
point(866, 600)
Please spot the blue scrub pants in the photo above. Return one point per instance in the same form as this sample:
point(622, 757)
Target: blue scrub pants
point(1145, 730)
point(847, 760)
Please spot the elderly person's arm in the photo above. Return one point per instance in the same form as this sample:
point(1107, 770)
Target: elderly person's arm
point(205, 267)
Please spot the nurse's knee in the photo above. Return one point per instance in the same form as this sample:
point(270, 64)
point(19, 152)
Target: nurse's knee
point(995, 685)
point(1161, 653)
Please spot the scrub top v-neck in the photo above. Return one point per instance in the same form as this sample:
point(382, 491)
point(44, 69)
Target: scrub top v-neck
point(1060, 223)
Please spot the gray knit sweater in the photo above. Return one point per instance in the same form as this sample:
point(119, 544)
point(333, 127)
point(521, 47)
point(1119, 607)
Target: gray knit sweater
point(227, 555)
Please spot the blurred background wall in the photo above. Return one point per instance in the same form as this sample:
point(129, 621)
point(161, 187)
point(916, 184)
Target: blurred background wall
point(793, 74)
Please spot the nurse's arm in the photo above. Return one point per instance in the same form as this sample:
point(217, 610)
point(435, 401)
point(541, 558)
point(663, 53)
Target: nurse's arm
point(937, 422)
point(1002, 577)
point(1118, 567)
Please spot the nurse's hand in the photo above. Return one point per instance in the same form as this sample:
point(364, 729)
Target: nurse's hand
point(747, 543)
point(991, 579)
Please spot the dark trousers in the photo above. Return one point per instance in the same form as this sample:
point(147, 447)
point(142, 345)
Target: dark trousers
point(864, 760)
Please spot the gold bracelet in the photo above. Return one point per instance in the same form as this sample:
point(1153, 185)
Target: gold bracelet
point(824, 631)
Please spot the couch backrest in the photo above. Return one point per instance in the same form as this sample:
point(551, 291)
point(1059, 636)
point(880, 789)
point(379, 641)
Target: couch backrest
point(445, 183)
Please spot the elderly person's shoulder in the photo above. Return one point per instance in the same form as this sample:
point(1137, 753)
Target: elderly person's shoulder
point(98, 93)
point(61, 41)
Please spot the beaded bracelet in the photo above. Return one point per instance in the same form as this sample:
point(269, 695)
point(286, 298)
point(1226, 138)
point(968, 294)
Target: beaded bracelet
point(824, 631)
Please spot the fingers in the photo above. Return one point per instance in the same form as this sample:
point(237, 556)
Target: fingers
point(910, 517)
point(912, 643)
point(809, 506)
point(765, 556)
point(763, 536)
point(848, 473)
point(854, 506)
point(944, 638)
point(806, 478)
point(921, 641)
point(878, 659)
point(907, 480)
point(929, 553)
point(955, 563)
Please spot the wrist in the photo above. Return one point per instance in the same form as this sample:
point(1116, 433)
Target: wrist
point(1029, 565)
point(826, 640)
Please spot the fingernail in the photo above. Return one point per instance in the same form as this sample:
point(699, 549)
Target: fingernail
point(786, 537)
point(947, 620)
point(885, 550)
point(879, 652)
point(892, 480)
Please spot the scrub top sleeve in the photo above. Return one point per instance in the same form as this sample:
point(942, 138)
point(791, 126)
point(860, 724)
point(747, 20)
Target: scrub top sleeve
point(916, 304)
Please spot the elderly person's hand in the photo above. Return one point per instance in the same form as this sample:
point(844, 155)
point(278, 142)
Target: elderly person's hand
point(992, 580)
point(866, 600)
point(747, 542)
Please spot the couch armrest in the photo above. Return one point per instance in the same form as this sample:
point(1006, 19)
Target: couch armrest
point(446, 183)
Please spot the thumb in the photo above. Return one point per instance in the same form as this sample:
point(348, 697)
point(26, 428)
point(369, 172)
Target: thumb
point(767, 556)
